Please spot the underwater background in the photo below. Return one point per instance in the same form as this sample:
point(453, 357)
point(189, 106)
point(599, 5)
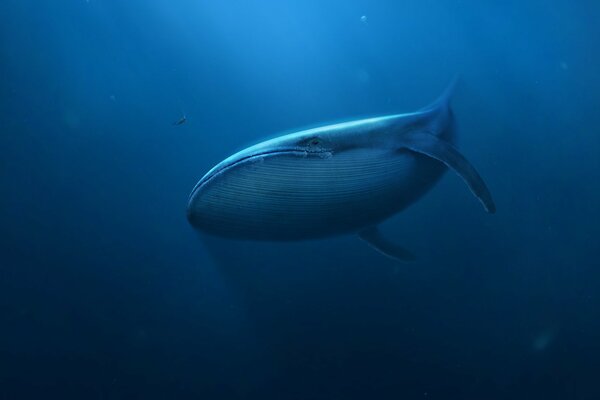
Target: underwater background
point(106, 292)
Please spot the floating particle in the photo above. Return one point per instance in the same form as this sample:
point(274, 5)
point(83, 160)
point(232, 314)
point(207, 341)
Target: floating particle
point(363, 76)
point(543, 340)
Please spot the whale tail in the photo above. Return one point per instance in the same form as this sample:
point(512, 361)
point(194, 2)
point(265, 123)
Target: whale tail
point(439, 116)
point(443, 101)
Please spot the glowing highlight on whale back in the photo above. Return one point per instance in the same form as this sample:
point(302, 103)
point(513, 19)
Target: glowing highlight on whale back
point(333, 130)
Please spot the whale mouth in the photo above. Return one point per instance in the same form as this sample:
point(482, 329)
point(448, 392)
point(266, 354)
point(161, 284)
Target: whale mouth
point(224, 165)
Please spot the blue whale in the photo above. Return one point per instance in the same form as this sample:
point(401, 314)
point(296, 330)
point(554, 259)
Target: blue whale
point(332, 180)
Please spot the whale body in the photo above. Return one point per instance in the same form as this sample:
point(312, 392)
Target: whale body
point(332, 180)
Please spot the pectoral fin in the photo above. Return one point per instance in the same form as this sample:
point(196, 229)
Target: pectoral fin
point(375, 239)
point(430, 145)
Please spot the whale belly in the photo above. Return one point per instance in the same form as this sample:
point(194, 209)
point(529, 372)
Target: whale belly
point(299, 195)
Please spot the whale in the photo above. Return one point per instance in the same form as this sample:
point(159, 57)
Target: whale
point(343, 178)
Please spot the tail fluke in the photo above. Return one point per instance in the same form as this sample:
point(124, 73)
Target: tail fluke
point(443, 101)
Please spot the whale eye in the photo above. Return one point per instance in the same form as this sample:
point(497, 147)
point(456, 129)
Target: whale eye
point(313, 144)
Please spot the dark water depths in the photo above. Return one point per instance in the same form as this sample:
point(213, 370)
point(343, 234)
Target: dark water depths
point(107, 293)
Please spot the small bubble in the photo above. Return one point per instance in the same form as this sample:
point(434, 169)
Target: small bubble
point(72, 119)
point(363, 76)
point(363, 19)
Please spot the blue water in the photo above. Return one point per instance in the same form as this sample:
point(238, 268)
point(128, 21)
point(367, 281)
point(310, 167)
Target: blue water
point(106, 292)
